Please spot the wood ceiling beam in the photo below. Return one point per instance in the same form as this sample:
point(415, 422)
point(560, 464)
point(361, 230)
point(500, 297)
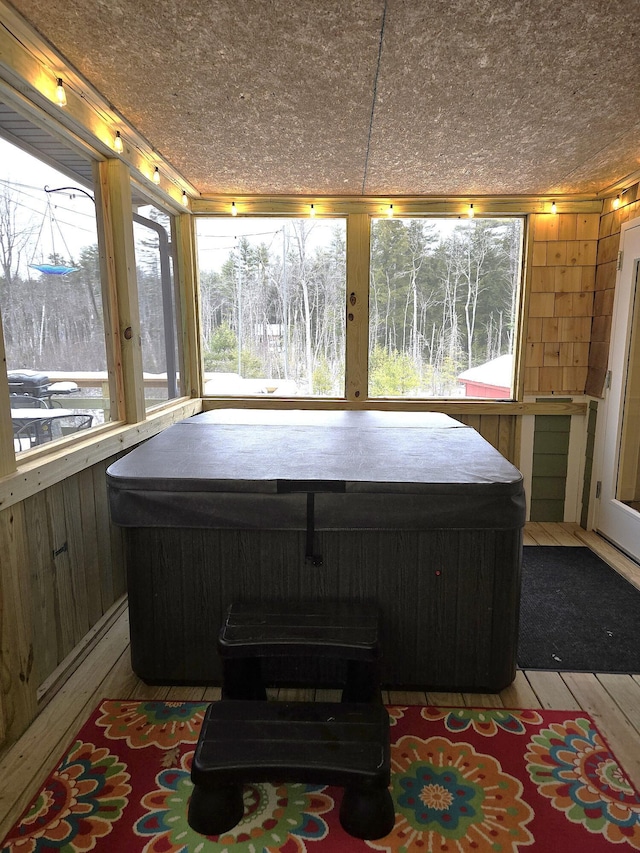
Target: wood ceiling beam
point(402, 206)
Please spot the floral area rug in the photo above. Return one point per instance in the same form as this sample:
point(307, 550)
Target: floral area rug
point(476, 780)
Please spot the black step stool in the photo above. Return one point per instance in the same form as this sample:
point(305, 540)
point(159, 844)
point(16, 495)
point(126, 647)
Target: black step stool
point(341, 630)
point(324, 743)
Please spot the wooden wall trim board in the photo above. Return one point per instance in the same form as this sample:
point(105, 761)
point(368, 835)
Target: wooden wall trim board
point(189, 294)
point(592, 418)
point(287, 205)
point(109, 292)
point(520, 354)
point(448, 407)
point(525, 463)
point(576, 468)
point(117, 218)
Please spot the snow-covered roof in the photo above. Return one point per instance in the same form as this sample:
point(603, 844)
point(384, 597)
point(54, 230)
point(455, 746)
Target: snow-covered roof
point(498, 372)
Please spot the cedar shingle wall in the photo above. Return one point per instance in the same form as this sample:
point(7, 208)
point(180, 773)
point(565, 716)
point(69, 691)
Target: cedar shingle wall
point(561, 302)
point(608, 245)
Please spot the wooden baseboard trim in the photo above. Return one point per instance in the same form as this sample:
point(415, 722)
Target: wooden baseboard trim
point(63, 671)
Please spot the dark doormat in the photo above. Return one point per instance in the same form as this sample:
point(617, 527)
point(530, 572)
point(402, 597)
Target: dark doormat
point(576, 613)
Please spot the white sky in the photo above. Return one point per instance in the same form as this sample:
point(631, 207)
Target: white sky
point(217, 235)
point(72, 223)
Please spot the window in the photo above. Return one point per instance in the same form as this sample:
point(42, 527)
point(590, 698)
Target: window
point(272, 305)
point(443, 306)
point(51, 297)
point(444, 302)
point(158, 304)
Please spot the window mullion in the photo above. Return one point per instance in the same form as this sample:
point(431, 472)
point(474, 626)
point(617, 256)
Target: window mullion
point(116, 185)
point(186, 259)
point(357, 307)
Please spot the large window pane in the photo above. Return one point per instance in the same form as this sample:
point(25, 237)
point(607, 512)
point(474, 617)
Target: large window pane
point(272, 305)
point(443, 307)
point(50, 299)
point(157, 302)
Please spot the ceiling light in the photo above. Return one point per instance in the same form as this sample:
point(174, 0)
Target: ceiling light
point(234, 209)
point(185, 199)
point(616, 202)
point(61, 95)
point(554, 208)
point(117, 143)
point(312, 211)
point(470, 212)
point(156, 176)
point(390, 212)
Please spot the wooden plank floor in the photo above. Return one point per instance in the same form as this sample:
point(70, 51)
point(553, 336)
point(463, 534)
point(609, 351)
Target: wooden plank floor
point(612, 700)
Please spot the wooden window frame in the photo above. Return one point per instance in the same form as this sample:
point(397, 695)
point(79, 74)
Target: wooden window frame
point(356, 309)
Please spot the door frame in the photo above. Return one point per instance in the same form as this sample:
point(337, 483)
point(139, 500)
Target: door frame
point(610, 517)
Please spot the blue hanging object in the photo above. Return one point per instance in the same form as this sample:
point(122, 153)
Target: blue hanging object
point(53, 269)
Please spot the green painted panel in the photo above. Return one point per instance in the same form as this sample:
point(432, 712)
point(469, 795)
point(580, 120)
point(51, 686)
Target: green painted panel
point(591, 440)
point(550, 464)
point(551, 442)
point(548, 487)
point(547, 510)
point(553, 423)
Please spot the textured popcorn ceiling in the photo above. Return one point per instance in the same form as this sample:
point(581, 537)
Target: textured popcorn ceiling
point(446, 97)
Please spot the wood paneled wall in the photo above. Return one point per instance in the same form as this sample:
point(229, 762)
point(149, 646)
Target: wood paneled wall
point(606, 271)
point(561, 300)
point(62, 569)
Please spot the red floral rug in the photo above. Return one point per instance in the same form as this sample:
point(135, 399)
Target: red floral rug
point(463, 780)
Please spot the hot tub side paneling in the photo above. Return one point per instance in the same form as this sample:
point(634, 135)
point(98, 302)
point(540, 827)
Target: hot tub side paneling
point(421, 518)
point(449, 599)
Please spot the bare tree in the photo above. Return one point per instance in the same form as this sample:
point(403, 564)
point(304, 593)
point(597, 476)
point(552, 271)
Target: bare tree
point(14, 237)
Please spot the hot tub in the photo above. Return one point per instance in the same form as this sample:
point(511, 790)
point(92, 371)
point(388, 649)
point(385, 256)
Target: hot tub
point(413, 512)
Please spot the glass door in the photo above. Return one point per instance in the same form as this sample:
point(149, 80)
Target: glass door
point(618, 509)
